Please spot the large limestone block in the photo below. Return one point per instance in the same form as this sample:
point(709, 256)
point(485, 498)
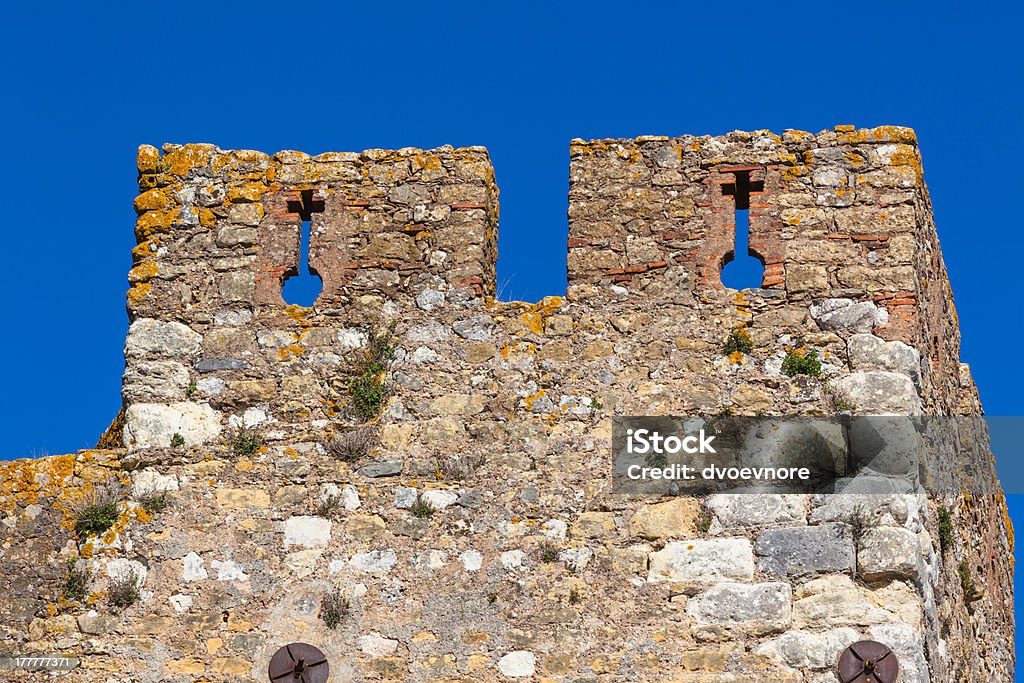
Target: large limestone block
point(844, 315)
point(676, 517)
point(806, 650)
point(888, 553)
point(708, 560)
point(868, 352)
point(738, 603)
point(155, 381)
point(799, 551)
point(879, 392)
point(744, 510)
point(153, 425)
point(149, 338)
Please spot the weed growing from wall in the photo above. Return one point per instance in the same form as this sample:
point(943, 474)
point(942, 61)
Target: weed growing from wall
point(367, 386)
point(800, 362)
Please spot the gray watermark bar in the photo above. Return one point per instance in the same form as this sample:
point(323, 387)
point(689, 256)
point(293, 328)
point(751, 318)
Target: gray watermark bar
point(882, 454)
point(52, 663)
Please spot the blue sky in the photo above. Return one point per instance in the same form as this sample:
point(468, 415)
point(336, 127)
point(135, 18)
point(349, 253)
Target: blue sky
point(85, 84)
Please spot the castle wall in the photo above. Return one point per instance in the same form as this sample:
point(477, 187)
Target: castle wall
point(530, 566)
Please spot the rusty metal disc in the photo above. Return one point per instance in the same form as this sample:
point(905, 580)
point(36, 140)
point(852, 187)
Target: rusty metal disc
point(868, 661)
point(299, 663)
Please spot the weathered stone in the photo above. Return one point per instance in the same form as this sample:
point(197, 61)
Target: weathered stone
point(733, 510)
point(457, 404)
point(374, 562)
point(148, 339)
point(149, 425)
point(155, 382)
point(805, 650)
point(868, 352)
point(477, 328)
point(731, 604)
point(96, 624)
point(376, 645)
point(240, 499)
point(439, 500)
point(677, 517)
point(703, 561)
point(896, 279)
point(843, 315)
point(518, 664)
point(386, 468)
point(870, 510)
point(835, 600)
point(193, 569)
point(888, 553)
point(594, 525)
point(878, 392)
point(306, 531)
point(886, 445)
point(908, 646)
point(799, 551)
point(802, 278)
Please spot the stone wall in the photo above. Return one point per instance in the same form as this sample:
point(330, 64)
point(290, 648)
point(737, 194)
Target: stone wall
point(528, 566)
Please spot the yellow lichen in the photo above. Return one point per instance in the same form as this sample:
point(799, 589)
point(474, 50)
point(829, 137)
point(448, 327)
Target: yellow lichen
point(138, 292)
point(146, 270)
point(249, 192)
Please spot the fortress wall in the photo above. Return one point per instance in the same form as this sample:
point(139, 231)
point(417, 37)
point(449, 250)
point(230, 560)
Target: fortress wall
point(500, 417)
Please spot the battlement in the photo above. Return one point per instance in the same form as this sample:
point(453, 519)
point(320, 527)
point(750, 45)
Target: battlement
point(411, 235)
point(383, 217)
point(466, 519)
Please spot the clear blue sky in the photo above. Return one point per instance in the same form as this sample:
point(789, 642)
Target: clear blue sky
point(86, 83)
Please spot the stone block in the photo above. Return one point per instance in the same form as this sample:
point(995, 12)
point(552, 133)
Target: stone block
point(731, 604)
point(878, 392)
point(888, 553)
point(153, 425)
point(806, 650)
point(703, 561)
point(799, 551)
point(673, 518)
point(149, 338)
point(734, 510)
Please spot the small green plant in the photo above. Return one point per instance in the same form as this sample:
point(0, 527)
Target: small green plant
point(124, 589)
point(548, 553)
point(801, 362)
point(191, 389)
point(155, 502)
point(945, 530)
point(177, 440)
point(367, 386)
point(967, 582)
point(726, 411)
point(98, 511)
point(246, 443)
point(575, 597)
point(328, 506)
point(738, 341)
point(352, 445)
point(334, 608)
point(596, 404)
point(76, 582)
point(421, 509)
point(703, 521)
point(492, 598)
